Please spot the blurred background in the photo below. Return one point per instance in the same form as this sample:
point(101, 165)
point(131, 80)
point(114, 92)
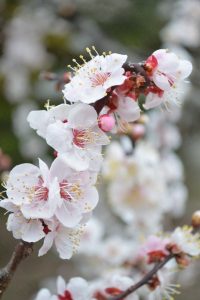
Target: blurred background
point(45, 35)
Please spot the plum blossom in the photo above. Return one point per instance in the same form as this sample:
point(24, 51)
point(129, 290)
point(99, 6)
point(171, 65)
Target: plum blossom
point(73, 131)
point(167, 72)
point(60, 191)
point(166, 69)
point(154, 248)
point(29, 230)
point(186, 241)
point(66, 240)
point(111, 286)
point(76, 289)
point(93, 79)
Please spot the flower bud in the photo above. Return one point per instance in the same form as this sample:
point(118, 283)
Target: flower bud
point(196, 219)
point(106, 122)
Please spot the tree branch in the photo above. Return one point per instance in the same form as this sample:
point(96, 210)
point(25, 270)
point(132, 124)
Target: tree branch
point(144, 280)
point(21, 251)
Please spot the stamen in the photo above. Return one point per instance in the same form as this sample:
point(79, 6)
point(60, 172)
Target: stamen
point(89, 52)
point(83, 59)
point(93, 47)
point(75, 61)
point(73, 69)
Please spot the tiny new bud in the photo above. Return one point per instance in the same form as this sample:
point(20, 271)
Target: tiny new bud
point(106, 122)
point(196, 219)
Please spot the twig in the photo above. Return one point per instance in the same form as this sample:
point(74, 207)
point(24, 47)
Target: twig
point(144, 280)
point(21, 251)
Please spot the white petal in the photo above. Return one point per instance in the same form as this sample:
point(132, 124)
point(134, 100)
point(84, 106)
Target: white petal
point(61, 285)
point(38, 120)
point(59, 137)
point(185, 68)
point(128, 109)
point(63, 244)
point(82, 116)
point(161, 81)
point(152, 100)
point(33, 231)
point(78, 288)
point(48, 242)
point(69, 214)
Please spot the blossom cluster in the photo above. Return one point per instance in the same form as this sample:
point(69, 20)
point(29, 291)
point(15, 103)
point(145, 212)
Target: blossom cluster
point(102, 95)
point(181, 245)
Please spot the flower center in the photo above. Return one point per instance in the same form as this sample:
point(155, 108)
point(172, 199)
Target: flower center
point(84, 137)
point(70, 191)
point(99, 78)
point(38, 192)
point(67, 296)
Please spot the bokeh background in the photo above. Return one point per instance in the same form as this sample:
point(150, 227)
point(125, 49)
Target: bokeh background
point(44, 35)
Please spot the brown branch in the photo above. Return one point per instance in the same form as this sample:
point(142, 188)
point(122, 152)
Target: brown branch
point(21, 251)
point(145, 280)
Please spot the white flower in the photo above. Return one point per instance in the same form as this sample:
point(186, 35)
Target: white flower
point(94, 78)
point(186, 241)
point(76, 289)
point(111, 286)
point(73, 131)
point(167, 69)
point(26, 229)
point(66, 240)
point(60, 191)
point(29, 188)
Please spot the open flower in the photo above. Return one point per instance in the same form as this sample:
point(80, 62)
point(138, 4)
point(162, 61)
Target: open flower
point(73, 131)
point(76, 289)
point(186, 241)
point(166, 69)
point(94, 78)
point(154, 248)
point(66, 240)
point(60, 191)
point(26, 229)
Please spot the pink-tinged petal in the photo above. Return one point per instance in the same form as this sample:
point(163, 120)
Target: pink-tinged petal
point(185, 69)
point(161, 81)
point(63, 244)
point(169, 63)
point(69, 213)
point(43, 208)
point(82, 116)
point(61, 285)
point(128, 109)
point(38, 120)
point(48, 242)
point(59, 137)
point(152, 100)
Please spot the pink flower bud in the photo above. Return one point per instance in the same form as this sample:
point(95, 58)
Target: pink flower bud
point(106, 122)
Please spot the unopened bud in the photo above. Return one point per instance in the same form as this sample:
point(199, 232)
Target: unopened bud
point(106, 122)
point(196, 219)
